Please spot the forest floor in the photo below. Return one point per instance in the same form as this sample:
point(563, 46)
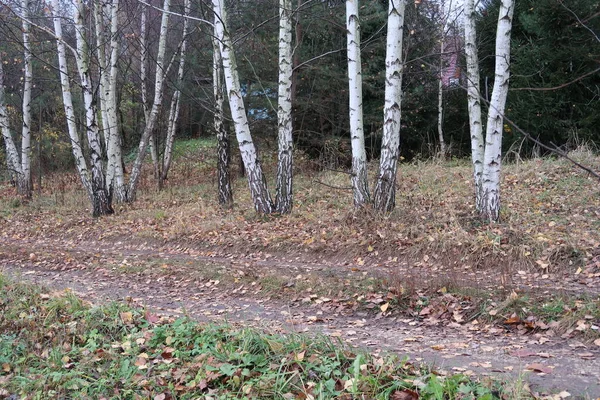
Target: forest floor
point(519, 300)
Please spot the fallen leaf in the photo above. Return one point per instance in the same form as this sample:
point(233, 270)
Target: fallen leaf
point(127, 317)
point(536, 367)
point(384, 307)
point(405, 394)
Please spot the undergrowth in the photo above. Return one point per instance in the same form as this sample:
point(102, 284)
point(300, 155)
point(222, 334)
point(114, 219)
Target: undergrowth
point(53, 345)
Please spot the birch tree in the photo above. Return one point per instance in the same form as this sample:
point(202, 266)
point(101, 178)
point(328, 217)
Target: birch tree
point(19, 165)
point(256, 179)
point(490, 206)
point(223, 156)
point(24, 184)
point(13, 159)
point(283, 199)
point(440, 124)
point(80, 161)
point(108, 15)
point(384, 196)
point(474, 104)
point(175, 101)
point(154, 110)
point(101, 203)
point(360, 183)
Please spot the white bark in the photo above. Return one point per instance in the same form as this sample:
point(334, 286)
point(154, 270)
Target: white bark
point(473, 93)
point(175, 101)
point(108, 66)
point(144, 62)
point(80, 162)
point(360, 184)
point(152, 117)
point(284, 197)
point(493, 141)
point(25, 176)
point(441, 99)
point(223, 155)
point(384, 197)
point(256, 179)
point(101, 203)
point(12, 154)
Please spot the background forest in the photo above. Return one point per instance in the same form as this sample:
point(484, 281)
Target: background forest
point(554, 77)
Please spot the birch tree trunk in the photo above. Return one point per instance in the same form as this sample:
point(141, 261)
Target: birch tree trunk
point(24, 181)
point(223, 155)
point(13, 160)
point(152, 117)
point(80, 162)
point(443, 149)
point(256, 180)
point(101, 202)
point(108, 69)
point(384, 197)
point(175, 101)
point(493, 140)
point(360, 183)
point(473, 94)
point(284, 196)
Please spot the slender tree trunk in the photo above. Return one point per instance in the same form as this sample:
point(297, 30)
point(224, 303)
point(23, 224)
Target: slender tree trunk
point(175, 101)
point(13, 160)
point(444, 23)
point(440, 124)
point(360, 183)
point(443, 149)
point(296, 53)
point(223, 154)
point(256, 180)
point(144, 89)
point(493, 141)
point(284, 197)
point(473, 93)
point(24, 185)
point(80, 161)
point(384, 197)
point(101, 203)
point(108, 68)
point(136, 170)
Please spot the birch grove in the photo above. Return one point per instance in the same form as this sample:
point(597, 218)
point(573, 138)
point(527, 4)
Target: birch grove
point(492, 161)
point(384, 196)
point(283, 202)
point(360, 183)
point(256, 179)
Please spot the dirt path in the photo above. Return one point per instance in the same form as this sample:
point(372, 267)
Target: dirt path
point(120, 271)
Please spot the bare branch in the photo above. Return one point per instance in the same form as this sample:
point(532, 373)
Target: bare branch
point(538, 89)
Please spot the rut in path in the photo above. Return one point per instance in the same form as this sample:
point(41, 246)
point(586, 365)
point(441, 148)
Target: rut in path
point(482, 349)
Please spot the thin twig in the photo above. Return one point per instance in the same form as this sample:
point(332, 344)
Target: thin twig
point(333, 187)
point(539, 89)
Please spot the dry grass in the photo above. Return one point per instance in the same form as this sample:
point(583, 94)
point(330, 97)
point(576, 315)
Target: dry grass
point(550, 215)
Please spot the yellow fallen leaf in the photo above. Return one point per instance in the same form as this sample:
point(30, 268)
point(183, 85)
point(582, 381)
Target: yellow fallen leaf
point(127, 317)
point(384, 307)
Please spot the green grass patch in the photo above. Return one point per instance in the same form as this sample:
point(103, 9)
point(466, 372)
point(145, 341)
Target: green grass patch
point(53, 345)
